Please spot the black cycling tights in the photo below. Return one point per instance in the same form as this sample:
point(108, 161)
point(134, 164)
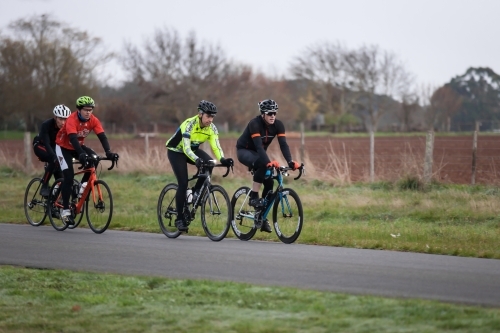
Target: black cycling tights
point(69, 173)
point(179, 162)
point(250, 158)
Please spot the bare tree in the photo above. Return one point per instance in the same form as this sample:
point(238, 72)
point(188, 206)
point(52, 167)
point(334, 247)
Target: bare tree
point(376, 77)
point(176, 73)
point(44, 62)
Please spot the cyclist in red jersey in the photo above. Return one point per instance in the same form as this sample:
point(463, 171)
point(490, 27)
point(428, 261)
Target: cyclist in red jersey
point(251, 150)
point(70, 144)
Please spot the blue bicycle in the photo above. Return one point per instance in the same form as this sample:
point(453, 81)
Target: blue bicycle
point(287, 213)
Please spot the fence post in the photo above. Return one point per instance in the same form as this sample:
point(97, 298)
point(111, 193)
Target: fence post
point(372, 156)
point(429, 149)
point(28, 163)
point(146, 144)
point(302, 142)
point(474, 154)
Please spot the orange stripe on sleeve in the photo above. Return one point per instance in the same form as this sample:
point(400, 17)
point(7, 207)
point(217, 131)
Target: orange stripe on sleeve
point(282, 134)
point(255, 135)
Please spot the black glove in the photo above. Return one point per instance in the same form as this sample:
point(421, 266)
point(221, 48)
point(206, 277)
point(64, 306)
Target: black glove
point(227, 162)
point(199, 163)
point(112, 156)
point(294, 165)
point(83, 158)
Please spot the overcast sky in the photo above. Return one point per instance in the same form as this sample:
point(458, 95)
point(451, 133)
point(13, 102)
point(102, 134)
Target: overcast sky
point(435, 39)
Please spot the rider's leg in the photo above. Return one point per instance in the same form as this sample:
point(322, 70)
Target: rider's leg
point(41, 152)
point(205, 157)
point(67, 186)
point(179, 161)
point(89, 152)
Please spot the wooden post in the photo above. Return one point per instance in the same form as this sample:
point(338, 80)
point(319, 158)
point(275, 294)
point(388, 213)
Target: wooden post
point(372, 156)
point(28, 163)
point(302, 142)
point(474, 154)
point(429, 149)
point(146, 144)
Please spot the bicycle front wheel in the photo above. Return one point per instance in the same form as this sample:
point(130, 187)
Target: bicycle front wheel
point(242, 221)
point(55, 205)
point(167, 212)
point(35, 206)
point(216, 213)
point(288, 216)
point(99, 207)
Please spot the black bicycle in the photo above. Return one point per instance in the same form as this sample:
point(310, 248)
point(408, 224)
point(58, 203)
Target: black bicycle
point(214, 201)
point(288, 216)
point(35, 205)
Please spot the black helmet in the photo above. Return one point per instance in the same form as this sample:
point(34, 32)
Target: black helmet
point(268, 105)
point(207, 107)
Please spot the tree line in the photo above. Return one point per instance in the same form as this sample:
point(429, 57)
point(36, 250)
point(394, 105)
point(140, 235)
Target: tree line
point(329, 86)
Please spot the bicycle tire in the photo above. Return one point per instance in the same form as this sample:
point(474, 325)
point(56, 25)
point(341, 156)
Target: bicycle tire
point(35, 206)
point(99, 208)
point(79, 217)
point(289, 226)
point(54, 203)
point(241, 222)
point(166, 211)
point(216, 213)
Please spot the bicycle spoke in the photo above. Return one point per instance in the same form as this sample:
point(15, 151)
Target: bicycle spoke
point(99, 207)
point(216, 213)
point(288, 224)
point(34, 204)
point(166, 211)
point(243, 214)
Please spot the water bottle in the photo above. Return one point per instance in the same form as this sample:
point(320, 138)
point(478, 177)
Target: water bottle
point(189, 195)
point(54, 191)
point(82, 188)
point(268, 174)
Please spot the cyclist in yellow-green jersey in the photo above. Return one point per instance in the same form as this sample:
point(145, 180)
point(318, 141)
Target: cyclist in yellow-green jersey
point(184, 147)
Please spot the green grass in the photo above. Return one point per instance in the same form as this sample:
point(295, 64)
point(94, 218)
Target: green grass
point(62, 301)
point(441, 219)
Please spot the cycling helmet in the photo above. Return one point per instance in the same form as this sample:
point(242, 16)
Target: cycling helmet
point(62, 111)
point(84, 101)
point(207, 107)
point(268, 105)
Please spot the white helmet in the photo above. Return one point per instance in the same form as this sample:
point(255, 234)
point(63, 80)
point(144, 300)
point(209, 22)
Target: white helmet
point(62, 111)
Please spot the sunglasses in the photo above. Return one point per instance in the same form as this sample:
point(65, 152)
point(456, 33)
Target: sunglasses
point(271, 113)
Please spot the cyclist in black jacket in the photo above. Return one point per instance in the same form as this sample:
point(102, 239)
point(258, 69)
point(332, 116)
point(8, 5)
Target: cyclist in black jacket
point(252, 146)
point(45, 142)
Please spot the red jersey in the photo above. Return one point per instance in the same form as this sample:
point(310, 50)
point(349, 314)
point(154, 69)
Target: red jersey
point(81, 129)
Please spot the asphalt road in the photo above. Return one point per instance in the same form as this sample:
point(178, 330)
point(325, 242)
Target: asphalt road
point(374, 272)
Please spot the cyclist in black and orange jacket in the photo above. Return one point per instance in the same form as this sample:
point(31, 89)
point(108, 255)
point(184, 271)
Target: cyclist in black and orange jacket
point(252, 146)
point(44, 145)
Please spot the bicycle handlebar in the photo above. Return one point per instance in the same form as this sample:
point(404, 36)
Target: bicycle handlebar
point(211, 164)
point(97, 158)
point(284, 169)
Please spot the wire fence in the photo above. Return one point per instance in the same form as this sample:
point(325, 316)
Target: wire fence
point(453, 159)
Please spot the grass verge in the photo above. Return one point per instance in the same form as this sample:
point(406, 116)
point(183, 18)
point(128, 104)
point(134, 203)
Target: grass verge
point(62, 301)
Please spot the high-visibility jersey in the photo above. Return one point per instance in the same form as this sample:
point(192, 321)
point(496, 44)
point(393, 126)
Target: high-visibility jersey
point(190, 135)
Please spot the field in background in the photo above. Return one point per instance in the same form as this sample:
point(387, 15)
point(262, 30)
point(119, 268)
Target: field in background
point(341, 160)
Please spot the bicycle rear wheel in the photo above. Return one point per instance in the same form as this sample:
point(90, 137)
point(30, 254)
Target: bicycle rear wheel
point(288, 216)
point(242, 221)
point(167, 212)
point(35, 206)
point(99, 207)
point(55, 205)
point(216, 213)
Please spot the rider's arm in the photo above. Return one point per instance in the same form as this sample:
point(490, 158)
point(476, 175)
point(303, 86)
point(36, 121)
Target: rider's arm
point(215, 144)
point(104, 141)
point(254, 131)
point(73, 139)
point(285, 150)
point(186, 139)
point(44, 136)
